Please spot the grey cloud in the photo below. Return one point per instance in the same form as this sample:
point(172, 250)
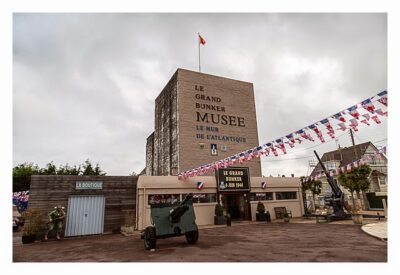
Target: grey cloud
point(85, 84)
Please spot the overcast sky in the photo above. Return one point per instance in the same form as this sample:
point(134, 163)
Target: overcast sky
point(85, 84)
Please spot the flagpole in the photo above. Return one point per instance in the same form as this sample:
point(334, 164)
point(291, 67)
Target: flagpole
point(198, 42)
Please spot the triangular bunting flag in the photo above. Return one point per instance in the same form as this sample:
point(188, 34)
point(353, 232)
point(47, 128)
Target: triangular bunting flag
point(367, 105)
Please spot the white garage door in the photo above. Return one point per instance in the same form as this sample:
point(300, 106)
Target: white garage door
point(85, 215)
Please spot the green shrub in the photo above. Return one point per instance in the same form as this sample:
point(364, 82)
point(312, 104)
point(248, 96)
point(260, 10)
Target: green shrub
point(260, 207)
point(285, 215)
point(219, 211)
point(33, 222)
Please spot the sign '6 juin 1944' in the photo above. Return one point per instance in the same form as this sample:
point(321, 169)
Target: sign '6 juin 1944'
point(233, 179)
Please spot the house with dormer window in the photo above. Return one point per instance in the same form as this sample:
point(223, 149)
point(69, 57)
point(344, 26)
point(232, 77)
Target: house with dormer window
point(343, 156)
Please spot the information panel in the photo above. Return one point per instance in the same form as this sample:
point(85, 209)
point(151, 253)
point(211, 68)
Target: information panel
point(233, 179)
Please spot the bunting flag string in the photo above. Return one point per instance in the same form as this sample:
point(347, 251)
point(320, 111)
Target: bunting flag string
point(349, 118)
point(366, 159)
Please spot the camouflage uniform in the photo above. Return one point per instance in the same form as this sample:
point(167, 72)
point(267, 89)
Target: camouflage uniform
point(56, 219)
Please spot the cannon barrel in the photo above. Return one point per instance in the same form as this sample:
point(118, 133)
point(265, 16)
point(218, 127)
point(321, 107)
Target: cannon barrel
point(177, 212)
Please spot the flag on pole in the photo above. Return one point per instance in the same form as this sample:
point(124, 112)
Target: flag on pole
point(202, 41)
point(200, 185)
point(263, 185)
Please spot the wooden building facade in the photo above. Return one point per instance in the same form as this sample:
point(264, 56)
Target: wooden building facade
point(89, 201)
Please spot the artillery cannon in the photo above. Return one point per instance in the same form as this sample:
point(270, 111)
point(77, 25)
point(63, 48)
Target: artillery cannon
point(337, 198)
point(170, 220)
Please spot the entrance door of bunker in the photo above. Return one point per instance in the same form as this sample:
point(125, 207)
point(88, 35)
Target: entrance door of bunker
point(236, 204)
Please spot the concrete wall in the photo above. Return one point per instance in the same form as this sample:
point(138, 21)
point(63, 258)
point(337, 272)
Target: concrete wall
point(150, 155)
point(287, 184)
point(166, 131)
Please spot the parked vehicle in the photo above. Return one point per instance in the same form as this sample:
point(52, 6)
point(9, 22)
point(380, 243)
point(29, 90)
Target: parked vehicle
point(17, 219)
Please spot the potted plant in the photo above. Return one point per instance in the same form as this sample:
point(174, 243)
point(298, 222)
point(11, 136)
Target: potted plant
point(285, 217)
point(33, 225)
point(260, 215)
point(129, 226)
point(219, 215)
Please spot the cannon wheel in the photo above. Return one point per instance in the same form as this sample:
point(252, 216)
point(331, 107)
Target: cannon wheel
point(150, 238)
point(192, 237)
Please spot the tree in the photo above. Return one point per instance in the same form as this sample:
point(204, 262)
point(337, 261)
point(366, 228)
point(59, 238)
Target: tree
point(68, 170)
point(50, 169)
point(22, 176)
point(314, 186)
point(356, 180)
point(98, 171)
point(89, 170)
point(22, 173)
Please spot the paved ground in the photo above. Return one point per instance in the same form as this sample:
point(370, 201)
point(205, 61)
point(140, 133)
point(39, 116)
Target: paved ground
point(378, 230)
point(256, 242)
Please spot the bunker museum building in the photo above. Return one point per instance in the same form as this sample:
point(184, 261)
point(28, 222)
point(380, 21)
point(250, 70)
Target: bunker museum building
point(199, 118)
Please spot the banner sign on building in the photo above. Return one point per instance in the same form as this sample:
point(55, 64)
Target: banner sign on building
point(233, 179)
point(84, 185)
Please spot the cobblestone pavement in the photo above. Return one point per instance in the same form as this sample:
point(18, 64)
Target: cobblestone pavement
point(254, 242)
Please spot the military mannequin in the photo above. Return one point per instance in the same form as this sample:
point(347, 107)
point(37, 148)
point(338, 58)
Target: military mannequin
point(56, 221)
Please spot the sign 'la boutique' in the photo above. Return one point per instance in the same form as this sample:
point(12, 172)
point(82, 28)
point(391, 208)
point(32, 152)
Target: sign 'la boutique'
point(233, 179)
